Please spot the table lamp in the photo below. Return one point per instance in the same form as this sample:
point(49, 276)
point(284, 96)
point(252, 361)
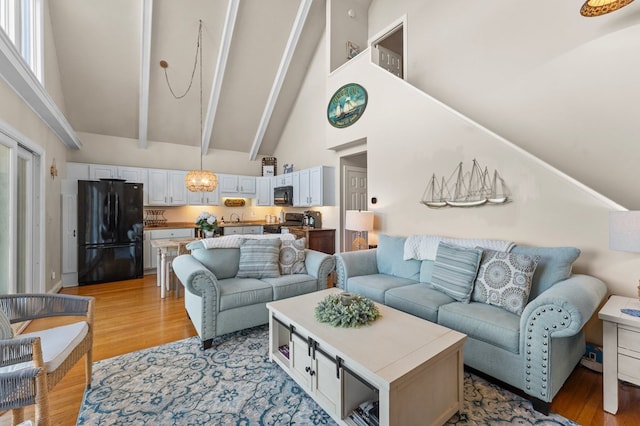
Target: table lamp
point(359, 221)
point(624, 232)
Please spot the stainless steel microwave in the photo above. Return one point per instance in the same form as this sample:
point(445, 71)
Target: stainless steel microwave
point(283, 196)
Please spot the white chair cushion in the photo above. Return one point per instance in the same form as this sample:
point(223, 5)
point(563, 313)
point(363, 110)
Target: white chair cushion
point(57, 343)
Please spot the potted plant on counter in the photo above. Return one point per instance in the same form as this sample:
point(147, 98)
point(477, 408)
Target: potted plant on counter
point(208, 223)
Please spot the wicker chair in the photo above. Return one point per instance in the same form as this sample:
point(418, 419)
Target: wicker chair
point(31, 364)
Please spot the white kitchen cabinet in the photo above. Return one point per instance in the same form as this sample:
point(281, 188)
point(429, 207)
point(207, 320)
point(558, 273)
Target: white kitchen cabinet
point(237, 186)
point(304, 182)
point(314, 187)
point(285, 179)
point(150, 254)
point(264, 191)
point(242, 230)
point(132, 174)
point(69, 232)
point(77, 171)
point(210, 198)
point(136, 175)
point(167, 188)
point(102, 171)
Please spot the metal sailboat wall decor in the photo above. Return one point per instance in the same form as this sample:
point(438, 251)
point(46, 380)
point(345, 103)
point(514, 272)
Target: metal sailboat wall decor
point(466, 189)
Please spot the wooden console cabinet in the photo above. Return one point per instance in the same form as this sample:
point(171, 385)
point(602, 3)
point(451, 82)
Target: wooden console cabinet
point(323, 240)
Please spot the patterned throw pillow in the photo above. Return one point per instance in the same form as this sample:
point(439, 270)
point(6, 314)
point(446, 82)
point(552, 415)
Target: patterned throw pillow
point(455, 269)
point(6, 332)
point(292, 257)
point(259, 259)
point(504, 280)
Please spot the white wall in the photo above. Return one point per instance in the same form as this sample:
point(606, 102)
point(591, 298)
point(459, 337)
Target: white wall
point(409, 135)
point(562, 86)
point(406, 145)
point(101, 149)
point(15, 113)
point(346, 28)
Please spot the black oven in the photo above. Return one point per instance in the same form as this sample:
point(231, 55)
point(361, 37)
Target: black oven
point(283, 196)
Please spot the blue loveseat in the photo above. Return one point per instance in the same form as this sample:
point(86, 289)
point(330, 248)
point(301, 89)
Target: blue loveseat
point(533, 351)
point(226, 290)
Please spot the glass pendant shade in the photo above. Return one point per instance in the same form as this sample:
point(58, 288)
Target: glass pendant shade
point(601, 7)
point(201, 181)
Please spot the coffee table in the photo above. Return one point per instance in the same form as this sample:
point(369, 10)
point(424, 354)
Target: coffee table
point(412, 367)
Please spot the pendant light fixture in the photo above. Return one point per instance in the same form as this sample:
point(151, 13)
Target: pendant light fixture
point(196, 180)
point(601, 7)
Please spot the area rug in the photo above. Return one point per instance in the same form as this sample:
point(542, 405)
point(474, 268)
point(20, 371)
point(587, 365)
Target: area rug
point(235, 384)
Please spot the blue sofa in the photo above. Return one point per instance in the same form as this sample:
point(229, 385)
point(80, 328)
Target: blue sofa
point(534, 351)
point(219, 300)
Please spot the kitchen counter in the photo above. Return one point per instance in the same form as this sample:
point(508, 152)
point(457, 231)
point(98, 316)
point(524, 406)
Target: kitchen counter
point(171, 225)
point(244, 223)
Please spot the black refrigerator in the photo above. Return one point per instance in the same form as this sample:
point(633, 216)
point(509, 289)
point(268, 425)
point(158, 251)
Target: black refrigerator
point(110, 231)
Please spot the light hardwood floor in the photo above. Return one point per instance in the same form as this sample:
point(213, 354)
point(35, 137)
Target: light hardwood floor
point(130, 315)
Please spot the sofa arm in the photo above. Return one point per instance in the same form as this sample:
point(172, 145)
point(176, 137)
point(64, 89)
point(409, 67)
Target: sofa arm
point(566, 306)
point(355, 263)
point(198, 280)
point(560, 311)
point(319, 265)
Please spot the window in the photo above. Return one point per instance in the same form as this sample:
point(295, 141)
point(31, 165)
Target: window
point(22, 21)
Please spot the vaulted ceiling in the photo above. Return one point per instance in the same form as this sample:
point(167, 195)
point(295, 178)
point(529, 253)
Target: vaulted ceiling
point(254, 58)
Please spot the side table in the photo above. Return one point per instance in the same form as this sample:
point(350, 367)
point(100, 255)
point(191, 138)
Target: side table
point(621, 348)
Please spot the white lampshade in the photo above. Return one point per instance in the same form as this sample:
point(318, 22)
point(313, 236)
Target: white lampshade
point(357, 220)
point(624, 231)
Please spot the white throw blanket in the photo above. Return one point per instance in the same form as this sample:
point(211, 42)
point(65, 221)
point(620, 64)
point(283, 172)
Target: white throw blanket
point(233, 241)
point(425, 247)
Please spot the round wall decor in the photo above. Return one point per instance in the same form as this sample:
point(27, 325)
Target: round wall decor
point(347, 105)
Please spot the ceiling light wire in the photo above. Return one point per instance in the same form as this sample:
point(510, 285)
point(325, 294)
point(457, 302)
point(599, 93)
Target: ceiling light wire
point(165, 65)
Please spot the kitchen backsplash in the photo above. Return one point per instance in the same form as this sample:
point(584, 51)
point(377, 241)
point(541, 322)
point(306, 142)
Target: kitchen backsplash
point(247, 213)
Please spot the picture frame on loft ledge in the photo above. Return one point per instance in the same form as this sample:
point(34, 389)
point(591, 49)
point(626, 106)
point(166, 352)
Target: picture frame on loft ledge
point(353, 50)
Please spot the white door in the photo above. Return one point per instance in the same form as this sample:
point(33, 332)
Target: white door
point(355, 190)
point(390, 61)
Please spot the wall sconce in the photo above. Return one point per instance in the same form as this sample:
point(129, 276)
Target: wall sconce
point(53, 170)
point(351, 13)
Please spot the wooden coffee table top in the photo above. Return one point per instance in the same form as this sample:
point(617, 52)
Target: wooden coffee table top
point(392, 346)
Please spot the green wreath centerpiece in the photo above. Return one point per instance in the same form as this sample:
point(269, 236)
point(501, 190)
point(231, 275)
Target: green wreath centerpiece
point(346, 310)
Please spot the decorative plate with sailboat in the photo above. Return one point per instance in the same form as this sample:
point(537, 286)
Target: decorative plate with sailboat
point(347, 105)
point(466, 189)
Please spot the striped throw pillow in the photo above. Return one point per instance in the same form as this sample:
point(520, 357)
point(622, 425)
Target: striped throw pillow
point(259, 259)
point(455, 270)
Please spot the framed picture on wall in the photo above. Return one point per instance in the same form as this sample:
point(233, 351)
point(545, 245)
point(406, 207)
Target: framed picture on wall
point(268, 170)
point(352, 50)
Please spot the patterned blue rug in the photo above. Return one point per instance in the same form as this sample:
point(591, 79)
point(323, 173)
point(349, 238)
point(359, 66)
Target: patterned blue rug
point(235, 384)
